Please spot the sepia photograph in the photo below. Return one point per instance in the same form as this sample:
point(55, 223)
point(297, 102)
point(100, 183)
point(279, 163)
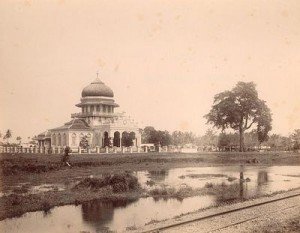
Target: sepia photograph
point(149, 116)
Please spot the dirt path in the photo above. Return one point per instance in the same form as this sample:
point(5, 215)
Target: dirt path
point(271, 217)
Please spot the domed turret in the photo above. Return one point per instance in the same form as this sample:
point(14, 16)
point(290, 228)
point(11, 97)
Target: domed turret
point(97, 88)
point(96, 103)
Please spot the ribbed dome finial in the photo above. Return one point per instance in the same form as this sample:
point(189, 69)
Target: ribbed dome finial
point(97, 80)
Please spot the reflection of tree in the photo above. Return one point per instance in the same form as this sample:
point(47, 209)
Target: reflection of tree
point(241, 185)
point(158, 175)
point(98, 213)
point(229, 193)
point(163, 198)
point(262, 178)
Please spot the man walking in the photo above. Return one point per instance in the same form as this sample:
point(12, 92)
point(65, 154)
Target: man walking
point(66, 156)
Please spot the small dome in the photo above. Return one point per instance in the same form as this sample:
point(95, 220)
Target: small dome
point(97, 88)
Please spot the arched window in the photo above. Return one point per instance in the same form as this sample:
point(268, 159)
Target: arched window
point(64, 140)
point(54, 139)
point(92, 108)
point(89, 138)
point(59, 139)
point(117, 139)
point(106, 141)
point(74, 139)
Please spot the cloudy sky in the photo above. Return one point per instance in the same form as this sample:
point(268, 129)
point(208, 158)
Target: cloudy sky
point(165, 60)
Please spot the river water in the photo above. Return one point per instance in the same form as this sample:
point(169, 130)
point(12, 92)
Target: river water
point(99, 216)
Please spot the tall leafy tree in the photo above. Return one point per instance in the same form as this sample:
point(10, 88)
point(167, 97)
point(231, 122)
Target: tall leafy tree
point(295, 138)
point(158, 137)
point(224, 140)
point(177, 138)
point(240, 109)
point(210, 138)
point(162, 138)
point(181, 138)
point(127, 139)
point(147, 134)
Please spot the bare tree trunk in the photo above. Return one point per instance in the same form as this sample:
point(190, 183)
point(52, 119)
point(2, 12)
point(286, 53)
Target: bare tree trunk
point(242, 145)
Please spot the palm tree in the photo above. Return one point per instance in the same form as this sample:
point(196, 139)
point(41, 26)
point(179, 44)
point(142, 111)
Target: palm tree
point(7, 135)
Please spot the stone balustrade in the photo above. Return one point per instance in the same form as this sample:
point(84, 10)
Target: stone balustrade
point(78, 150)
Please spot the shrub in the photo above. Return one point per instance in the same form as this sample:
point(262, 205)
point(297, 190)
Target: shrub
point(118, 182)
point(208, 185)
point(15, 199)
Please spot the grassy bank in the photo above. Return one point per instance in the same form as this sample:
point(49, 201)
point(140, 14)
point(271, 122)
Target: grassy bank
point(121, 187)
point(11, 164)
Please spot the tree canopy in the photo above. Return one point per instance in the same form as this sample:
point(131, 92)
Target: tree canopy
point(158, 137)
point(240, 109)
point(127, 139)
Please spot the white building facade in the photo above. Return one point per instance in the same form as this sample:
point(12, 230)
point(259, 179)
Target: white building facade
point(97, 122)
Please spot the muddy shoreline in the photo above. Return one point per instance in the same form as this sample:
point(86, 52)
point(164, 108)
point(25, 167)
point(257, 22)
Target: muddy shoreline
point(19, 169)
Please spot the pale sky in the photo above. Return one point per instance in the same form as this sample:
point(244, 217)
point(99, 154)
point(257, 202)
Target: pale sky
point(164, 60)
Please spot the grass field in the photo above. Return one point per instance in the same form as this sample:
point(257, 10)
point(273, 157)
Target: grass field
point(21, 172)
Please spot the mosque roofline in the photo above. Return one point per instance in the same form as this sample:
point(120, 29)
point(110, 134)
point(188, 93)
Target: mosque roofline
point(74, 124)
point(97, 103)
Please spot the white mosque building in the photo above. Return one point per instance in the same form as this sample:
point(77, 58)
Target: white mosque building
point(97, 121)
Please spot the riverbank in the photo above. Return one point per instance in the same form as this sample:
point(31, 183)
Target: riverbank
point(23, 176)
point(11, 164)
point(275, 213)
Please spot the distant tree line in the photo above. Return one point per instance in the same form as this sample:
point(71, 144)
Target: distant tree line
point(212, 140)
point(7, 136)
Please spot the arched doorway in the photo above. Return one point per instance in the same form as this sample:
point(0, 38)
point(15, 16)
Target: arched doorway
point(132, 138)
point(117, 141)
point(106, 141)
point(124, 138)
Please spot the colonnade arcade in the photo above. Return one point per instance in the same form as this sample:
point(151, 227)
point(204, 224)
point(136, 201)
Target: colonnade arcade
point(59, 139)
point(118, 139)
point(62, 138)
point(102, 139)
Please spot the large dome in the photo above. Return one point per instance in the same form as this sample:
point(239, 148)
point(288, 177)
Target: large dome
point(97, 88)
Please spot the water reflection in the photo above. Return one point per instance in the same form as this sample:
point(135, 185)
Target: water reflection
point(158, 175)
point(251, 181)
point(262, 178)
point(241, 184)
point(98, 213)
point(100, 216)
